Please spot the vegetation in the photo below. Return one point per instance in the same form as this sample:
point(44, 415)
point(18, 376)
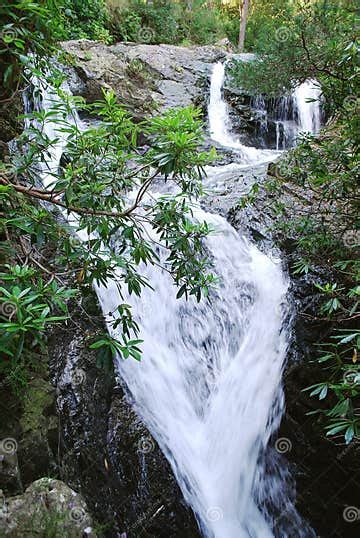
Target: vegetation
point(318, 42)
point(91, 188)
point(164, 21)
point(294, 41)
point(158, 21)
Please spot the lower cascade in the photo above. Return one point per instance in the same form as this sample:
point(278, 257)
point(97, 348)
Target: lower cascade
point(209, 384)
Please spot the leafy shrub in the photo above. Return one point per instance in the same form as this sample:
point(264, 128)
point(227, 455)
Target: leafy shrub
point(24, 26)
point(148, 23)
point(92, 181)
point(163, 21)
point(318, 41)
point(84, 19)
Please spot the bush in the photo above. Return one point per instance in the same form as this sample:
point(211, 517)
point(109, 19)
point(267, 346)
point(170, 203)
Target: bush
point(92, 181)
point(164, 21)
point(318, 42)
point(147, 23)
point(83, 19)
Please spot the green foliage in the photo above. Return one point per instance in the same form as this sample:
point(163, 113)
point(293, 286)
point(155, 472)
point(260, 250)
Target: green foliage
point(165, 21)
point(34, 26)
point(128, 348)
point(263, 19)
point(83, 19)
point(328, 234)
point(28, 305)
point(149, 23)
point(101, 166)
point(25, 26)
point(318, 41)
point(339, 358)
point(202, 24)
point(99, 169)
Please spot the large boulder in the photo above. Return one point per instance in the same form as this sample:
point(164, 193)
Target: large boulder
point(47, 508)
point(144, 77)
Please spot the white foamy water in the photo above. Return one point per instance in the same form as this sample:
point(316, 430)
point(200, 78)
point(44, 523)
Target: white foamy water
point(208, 386)
point(209, 383)
point(294, 114)
point(220, 125)
point(309, 113)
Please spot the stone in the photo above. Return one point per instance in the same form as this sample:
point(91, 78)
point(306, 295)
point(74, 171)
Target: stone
point(144, 77)
point(47, 508)
point(106, 451)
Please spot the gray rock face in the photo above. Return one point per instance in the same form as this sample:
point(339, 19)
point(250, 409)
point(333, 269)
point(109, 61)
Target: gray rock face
point(144, 77)
point(47, 508)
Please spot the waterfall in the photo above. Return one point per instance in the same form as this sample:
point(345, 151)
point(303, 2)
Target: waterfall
point(209, 383)
point(218, 112)
point(220, 125)
point(208, 386)
point(308, 113)
point(291, 115)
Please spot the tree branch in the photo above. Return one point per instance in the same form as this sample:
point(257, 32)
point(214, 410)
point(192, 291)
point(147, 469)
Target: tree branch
point(51, 197)
point(314, 65)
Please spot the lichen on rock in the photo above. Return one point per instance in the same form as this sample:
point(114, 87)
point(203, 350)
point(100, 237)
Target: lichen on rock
point(47, 508)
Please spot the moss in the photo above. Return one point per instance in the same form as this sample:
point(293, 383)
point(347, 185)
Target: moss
point(10, 124)
point(38, 399)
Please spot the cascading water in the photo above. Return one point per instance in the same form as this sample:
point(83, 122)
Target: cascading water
point(290, 115)
point(308, 113)
point(209, 384)
point(220, 125)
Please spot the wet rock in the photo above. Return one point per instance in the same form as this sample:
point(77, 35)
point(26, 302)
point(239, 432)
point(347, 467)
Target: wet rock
point(106, 451)
point(47, 508)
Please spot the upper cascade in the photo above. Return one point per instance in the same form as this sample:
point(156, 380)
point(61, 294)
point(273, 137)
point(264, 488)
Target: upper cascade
point(276, 123)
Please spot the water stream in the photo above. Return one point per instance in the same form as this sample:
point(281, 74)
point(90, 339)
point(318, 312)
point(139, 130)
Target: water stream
point(220, 124)
point(289, 115)
point(209, 384)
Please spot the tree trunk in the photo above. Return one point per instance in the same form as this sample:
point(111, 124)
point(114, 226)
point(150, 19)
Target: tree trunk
point(243, 8)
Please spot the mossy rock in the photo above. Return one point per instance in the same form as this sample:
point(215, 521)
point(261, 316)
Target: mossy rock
point(10, 124)
point(38, 403)
point(39, 431)
point(47, 508)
